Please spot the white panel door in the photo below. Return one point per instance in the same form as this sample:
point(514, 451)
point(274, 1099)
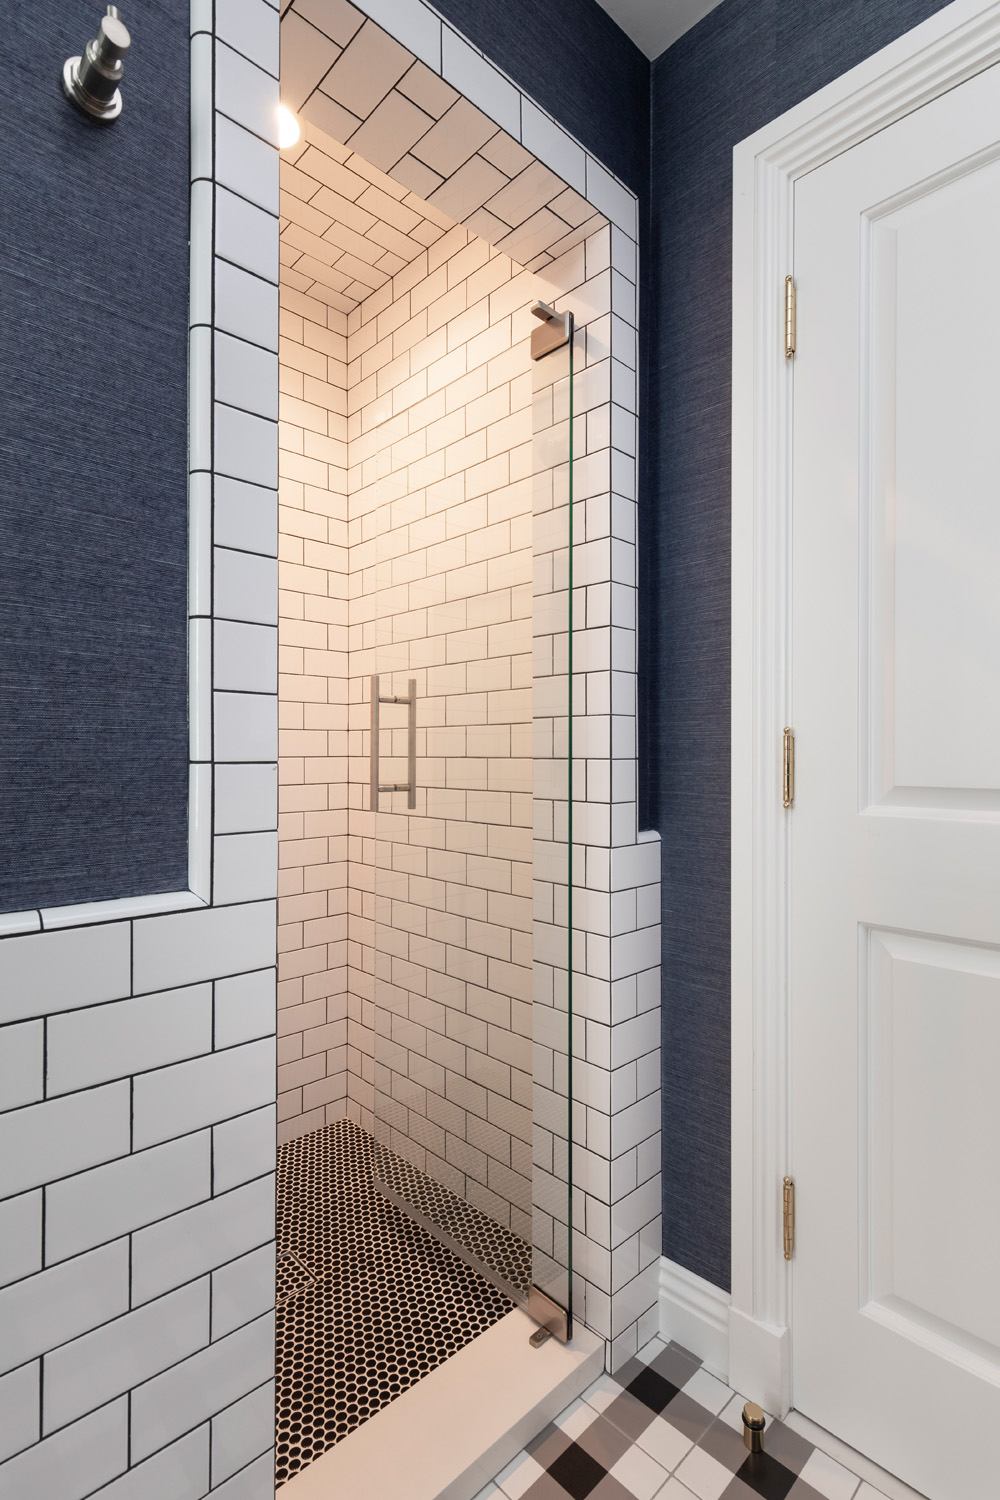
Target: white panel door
point(895, 831)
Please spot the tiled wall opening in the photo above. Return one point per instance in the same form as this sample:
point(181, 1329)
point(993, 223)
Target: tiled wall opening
point(417, 134)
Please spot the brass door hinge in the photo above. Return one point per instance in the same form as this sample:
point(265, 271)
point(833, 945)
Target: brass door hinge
point(788, 1216)
point(789, 317)
point(787, 768)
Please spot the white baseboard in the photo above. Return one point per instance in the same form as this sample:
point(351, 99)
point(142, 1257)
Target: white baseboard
point(696, 1314)
point(760, 1362)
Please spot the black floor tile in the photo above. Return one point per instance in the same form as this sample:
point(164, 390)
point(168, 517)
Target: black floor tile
point(577, 1471)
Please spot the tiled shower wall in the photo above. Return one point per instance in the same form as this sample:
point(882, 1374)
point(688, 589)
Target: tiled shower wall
point(441, 529)
point(312, 644)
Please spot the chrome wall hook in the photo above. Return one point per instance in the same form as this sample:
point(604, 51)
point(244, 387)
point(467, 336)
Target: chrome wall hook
point(91, 81)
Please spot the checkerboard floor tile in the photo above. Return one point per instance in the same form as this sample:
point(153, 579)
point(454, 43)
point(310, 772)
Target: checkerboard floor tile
point(663, 1428)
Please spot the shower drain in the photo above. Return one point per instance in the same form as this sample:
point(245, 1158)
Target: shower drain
point(290, 1277)
point(384, 1302)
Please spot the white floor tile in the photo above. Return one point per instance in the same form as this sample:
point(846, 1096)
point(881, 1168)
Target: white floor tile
point(674, 1490)
point(601, 1394)
point(869, 1492)
point(704, 1474)
point(576, 1418)
point(828, 1477)
point(708, 1392)
point(665, 1443)
point(639, 1474)
point(489, 1493)
point(649, 1351)
point(519, 1475)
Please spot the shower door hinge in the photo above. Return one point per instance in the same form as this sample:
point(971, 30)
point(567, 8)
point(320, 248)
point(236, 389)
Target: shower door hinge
point(789, 316)
point(788, 1216)
point(787, 768)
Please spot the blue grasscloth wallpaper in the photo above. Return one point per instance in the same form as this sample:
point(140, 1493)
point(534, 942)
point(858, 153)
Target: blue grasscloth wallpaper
point(93, 458)
point(745, 63)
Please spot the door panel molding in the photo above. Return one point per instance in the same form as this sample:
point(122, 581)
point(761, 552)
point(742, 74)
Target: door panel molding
point(952, 46)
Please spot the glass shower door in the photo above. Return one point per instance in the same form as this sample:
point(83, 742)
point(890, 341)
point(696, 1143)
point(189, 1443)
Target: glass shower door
point(470, 715)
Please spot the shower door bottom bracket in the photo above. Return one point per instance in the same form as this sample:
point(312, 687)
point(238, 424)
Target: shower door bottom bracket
point(553, 1320)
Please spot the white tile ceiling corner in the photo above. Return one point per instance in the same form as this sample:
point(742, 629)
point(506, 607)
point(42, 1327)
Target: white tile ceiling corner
point(392, 155)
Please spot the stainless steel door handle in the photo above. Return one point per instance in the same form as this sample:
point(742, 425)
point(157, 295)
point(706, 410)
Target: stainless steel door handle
point(410, 786)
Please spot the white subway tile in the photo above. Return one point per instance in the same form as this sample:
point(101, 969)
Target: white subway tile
point(180, 1472)
point(93, 1369)
point(246, 517)
point(191, 1095)
point(200, 398)
point(192, 946)
point(246, 798)
point(246, 235)
point(244, 1008)
point(550, 143)
point(470, 73)
point(244, 1289)
point(200, 689)
point(61, 970)
point(246, 376)
point(246, 657)
point(246, 447)
point(73, 1463)
point(251, 26)
point(20, 1237)
point(246, 867)
point(200, 258)
point(246, 164)
point(255, 1482)
point(245, 305)
point(43, 1142)
point(181, 1398)
point(412, 23)
point(114, 1041)
point(246, 586)
point(200, 543)
point(246, 728)
point(246, 94)
point(244, 1148)
point(202, 113)
point(125, 1195)
point(20, 1409)
point(21, 1064)
point(608, 195)
point(38, 1314)
point(242, 1432)
point(197, 1241)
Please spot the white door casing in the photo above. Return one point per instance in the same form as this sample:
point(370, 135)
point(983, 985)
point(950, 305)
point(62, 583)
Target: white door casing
point(953, 46)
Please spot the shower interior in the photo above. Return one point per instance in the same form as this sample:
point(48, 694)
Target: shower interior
point(424, 496)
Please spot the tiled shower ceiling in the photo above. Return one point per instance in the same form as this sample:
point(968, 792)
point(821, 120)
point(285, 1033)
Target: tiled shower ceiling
point(345, 76)
point(346, 227)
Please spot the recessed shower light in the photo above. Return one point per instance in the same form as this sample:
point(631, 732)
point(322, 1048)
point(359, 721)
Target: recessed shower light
point(288, 128)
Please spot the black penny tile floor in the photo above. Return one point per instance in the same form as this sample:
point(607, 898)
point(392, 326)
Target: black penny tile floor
point(663, 1428)
point(368, 1301)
